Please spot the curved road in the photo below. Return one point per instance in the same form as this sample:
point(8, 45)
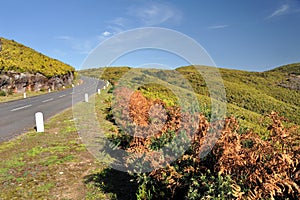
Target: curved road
point(16, 117)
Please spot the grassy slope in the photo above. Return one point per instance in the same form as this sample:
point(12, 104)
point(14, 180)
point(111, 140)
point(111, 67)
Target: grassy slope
point(257, 92)
point(250, 95)
point(17, 57)
point(55, 164)
point(262, 90)
point(288, 69)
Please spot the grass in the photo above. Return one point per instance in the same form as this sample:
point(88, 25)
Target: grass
point(18, 96)
point(56, 164)
point(50, 165)
point(249, 95)
point(215, 186)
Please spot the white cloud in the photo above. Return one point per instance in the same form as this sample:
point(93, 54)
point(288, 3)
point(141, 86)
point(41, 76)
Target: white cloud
point(115, 26)
point(119, 21)
point(115, 29)
point(280, 11)
point(218, 26)
point(151, 14)
point(106, 33)
point(142, 14)
point(64, 37)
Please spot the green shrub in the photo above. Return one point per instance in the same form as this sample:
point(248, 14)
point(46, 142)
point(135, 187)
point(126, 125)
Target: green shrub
point(3, 93)
point(10, 92)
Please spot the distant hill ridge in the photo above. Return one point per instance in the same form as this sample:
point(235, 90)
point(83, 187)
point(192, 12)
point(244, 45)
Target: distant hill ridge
point(289, 69)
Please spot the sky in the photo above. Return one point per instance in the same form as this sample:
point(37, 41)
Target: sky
point(254, 35)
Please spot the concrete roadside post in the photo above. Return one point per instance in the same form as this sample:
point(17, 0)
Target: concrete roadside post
point(99, 91)
point(24, 95)
point(86, 97)
point(39, 120)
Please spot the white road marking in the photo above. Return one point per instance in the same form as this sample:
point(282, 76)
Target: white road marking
point(62, 96)
point(47, 100)
point(20, 108)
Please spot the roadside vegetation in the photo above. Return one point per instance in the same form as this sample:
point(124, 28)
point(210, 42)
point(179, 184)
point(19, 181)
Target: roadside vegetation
point(249, 95)
point(255, 153)
point(10, 96)
point(241, 165)
point(50, 165)
point(5, 96)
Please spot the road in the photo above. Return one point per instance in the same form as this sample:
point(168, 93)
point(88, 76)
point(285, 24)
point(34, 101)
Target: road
point(16, 117)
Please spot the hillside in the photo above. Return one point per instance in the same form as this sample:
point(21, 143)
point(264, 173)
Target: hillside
point(19, 58)
point(251, 153)
point(23, 69)
point(250, 95)
point(288, 69)
point(291, 76)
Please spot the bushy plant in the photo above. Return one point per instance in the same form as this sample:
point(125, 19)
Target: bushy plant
point(3, 93)
point(240, 165)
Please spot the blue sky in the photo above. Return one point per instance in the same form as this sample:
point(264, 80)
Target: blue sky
point(251, 35)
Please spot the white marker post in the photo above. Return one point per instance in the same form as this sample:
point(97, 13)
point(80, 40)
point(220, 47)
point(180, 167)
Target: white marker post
point(86, 97)
point(49, 90)
point(104, 87)
point(39, 120)
point(99, 91)
point(24, 95)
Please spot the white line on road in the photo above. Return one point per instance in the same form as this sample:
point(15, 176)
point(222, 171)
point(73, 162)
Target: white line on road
point(20, 108)
point(47, 100)
point(62, 96)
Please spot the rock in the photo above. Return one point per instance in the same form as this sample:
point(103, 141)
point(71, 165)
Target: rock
point(292, 82)
point(20, 82)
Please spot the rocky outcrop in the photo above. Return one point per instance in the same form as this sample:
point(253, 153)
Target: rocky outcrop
point(292, 82)
point(20, 82)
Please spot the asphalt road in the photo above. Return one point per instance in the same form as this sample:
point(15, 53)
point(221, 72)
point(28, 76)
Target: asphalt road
point(16, 117)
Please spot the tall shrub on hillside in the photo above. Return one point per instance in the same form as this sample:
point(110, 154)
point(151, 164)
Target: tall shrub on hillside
point(240, 165)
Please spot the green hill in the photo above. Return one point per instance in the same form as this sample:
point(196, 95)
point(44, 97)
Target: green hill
point(249, 95)
point(288, 69)
point(258, 92)
point(19, 58)
point(256, 154)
